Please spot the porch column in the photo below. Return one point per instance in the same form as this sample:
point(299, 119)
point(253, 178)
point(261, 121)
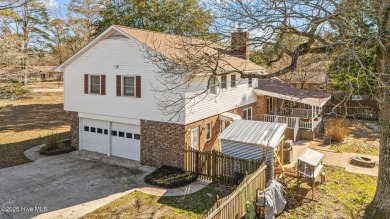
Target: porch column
point(312, 117)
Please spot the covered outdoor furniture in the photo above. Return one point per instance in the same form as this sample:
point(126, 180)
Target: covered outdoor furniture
point(270, 201)
point(309, 168)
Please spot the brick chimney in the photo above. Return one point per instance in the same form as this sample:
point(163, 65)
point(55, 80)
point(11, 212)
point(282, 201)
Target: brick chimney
point(240, 44)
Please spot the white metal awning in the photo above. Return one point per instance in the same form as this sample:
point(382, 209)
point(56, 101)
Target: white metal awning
point(264, 134)
point(230, 117)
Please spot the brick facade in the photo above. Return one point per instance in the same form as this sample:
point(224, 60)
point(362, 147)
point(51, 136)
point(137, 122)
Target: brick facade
point(258, 109)
point(301, 135)
point(162, 143)
point(204, 144)
point(74, 129)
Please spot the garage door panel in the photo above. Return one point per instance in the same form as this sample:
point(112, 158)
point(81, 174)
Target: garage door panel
point(94, 141)
point(123, 146)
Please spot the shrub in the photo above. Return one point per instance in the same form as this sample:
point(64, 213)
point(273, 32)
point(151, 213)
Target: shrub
point(170, 177)
point(52, 142)
point(61, 148)
point(337, 129)
point(15, 91)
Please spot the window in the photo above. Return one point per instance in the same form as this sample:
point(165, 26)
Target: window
point(105, 131)
point(247, 114)
point(137, 136)
point(222, 126)
point(250, 81)
point(213, 85)
point(270, 104)
point(86, 128)
point(129, 135)
point(223, 81)
point(232, 81)
point(114, 133)
point(129, 86)
point(121, 134)
point(100, 131)
point(208, 131)
point(93, 129)
point(195, 138)
point(95, 84)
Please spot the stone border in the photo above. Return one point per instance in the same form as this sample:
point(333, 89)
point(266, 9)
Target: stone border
point(362, 161)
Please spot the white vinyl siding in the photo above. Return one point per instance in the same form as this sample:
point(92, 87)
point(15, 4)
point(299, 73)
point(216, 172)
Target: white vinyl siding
point(205, 106)
point(101, 59)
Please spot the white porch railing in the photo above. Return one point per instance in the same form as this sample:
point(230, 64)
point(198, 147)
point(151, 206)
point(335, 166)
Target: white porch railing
point(294, 122)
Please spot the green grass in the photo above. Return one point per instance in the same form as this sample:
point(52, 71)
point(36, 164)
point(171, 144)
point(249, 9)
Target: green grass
point(138, 204)
point(356, 146)
point(345, 195)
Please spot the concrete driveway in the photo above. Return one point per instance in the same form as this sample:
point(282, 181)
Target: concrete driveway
point(50, 184)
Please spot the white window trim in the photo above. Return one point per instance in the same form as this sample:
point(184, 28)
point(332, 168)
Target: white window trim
point(235, 81)
point(216, 87)
point(226, 82)
point(209, 130)
point(246, 110)
point(222, 126)
point(123, 85)
point(197, 140)
point(90, 83)
point(250, 85)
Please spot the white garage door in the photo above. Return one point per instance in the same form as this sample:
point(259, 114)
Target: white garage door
point(126, 141)
point(95, 135)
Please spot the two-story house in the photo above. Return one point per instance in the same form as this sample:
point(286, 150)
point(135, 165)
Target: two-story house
point(108, 87)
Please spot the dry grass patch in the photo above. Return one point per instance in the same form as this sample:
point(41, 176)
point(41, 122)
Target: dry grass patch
point(337, 129)
point(361, 140)
point(27, 123)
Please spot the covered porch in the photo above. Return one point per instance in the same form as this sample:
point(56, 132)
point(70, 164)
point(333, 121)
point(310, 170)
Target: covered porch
point(300, 109)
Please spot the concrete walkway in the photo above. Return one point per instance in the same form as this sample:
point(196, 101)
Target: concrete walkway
point(333, 158)
point(74, 184)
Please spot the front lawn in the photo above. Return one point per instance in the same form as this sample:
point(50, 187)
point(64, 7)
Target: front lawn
point(345, 195)
point(26, 123)
point(141, 205)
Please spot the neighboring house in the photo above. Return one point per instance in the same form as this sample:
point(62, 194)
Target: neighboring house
point(312, 73)
point(108, 85)
point(46, 73)
point(38, 73)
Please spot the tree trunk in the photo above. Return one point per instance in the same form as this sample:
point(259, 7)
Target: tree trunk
point(380, 206)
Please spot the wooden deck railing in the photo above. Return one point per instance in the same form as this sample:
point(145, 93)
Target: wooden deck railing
point(218, 167)
point(233, 205)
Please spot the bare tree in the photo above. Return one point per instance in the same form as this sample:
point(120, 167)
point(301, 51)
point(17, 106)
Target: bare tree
point(321, 27)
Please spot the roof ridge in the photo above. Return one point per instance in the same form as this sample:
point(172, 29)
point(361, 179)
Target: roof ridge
point(151, 31)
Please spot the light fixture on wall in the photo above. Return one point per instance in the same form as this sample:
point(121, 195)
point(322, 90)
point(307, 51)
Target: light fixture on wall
point(116, 66)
